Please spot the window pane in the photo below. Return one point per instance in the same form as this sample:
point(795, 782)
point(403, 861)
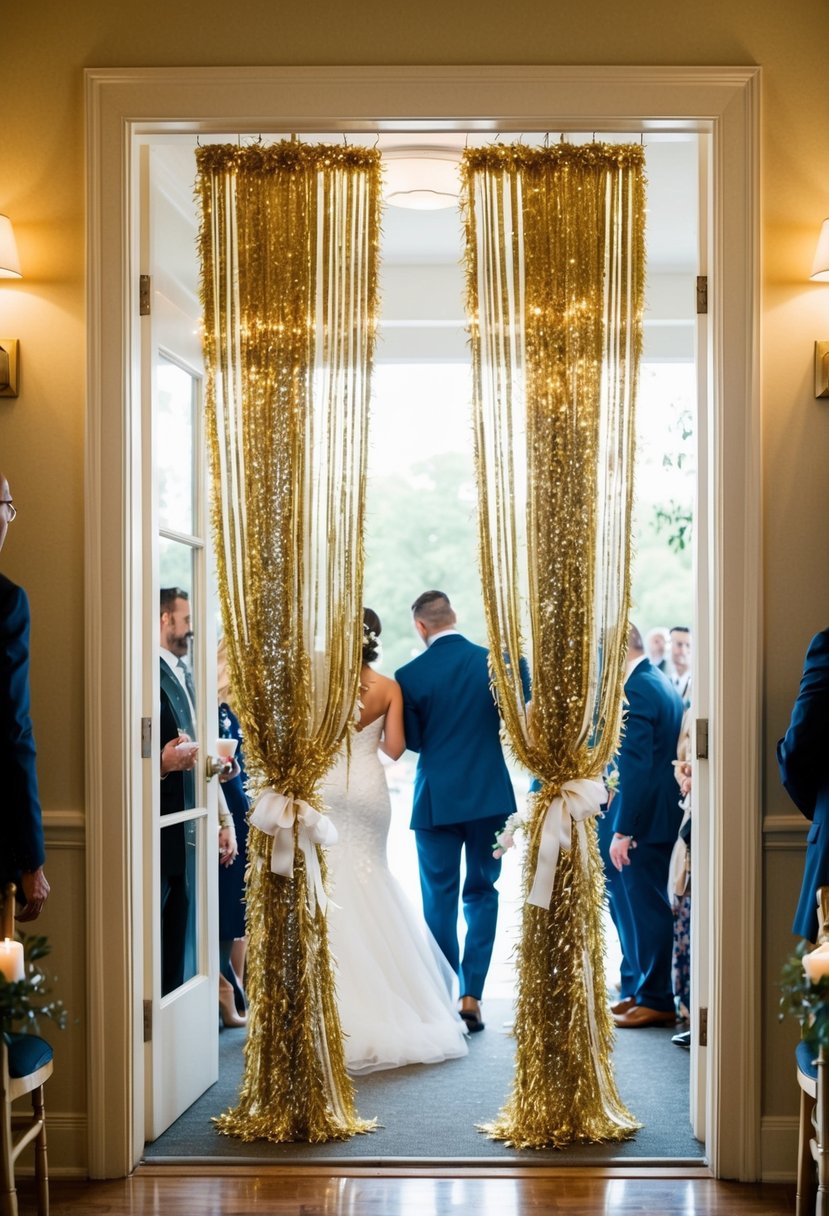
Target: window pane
point(179, 903)
point(175, 457)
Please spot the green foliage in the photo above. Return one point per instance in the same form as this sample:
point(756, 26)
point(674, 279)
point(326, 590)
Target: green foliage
point(23, 1002)
point(804, 1000)
point(421, 532)
point(677, 517)
point(663, 592)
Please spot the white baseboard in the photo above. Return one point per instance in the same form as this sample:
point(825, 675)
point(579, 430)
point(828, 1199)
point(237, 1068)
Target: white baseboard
point(778, 1148)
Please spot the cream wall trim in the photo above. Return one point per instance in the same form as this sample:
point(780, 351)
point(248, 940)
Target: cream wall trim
point(122, 103)
point(64, 829)
point(785, 833)
point(110, 929)
point(779, 1140)
point(736, 688)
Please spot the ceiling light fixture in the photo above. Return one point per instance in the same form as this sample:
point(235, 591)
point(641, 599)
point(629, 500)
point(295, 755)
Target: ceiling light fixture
point(421, 178)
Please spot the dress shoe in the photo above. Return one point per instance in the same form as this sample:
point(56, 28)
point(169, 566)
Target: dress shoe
point(472, 1018)
point(627, 1002)
point(640, 1015)
point(682, 1040)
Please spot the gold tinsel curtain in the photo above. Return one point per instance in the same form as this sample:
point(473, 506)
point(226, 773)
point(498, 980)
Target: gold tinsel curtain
point(288, 243)
point(555, 273)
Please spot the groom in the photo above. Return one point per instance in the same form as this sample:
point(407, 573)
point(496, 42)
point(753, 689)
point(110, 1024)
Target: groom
point(462, 791)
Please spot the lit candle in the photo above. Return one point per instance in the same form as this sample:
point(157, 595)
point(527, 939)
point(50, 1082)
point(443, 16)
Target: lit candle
point(11, 960)
point(816, 963)
point(226, 748)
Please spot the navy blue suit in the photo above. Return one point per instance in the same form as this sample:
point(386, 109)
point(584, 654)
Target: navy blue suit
point(462, 796)
point(22, 822)
point(646, 808)
point(804, 771)
point(178, 793)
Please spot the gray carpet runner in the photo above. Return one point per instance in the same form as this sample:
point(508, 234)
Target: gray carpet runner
point(429, 1113)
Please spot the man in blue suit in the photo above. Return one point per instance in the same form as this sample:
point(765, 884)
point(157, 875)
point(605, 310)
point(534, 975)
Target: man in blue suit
point(462, 792)
point(644, 817)
point(801, 757)
point(22, 855)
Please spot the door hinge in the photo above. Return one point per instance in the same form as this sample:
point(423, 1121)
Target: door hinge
point(702, 294)
point(702, 738)
point(148, 1021)
point(146, 738)
point(702, 1041)
point(144, 295)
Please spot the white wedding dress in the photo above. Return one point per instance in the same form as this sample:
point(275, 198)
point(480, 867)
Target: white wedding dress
point(393, 984)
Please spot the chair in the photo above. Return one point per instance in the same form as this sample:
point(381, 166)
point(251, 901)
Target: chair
point(25, 1064)
point(813, 1134)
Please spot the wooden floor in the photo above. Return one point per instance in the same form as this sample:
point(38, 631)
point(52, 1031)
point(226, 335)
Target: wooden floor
point(174, 1192)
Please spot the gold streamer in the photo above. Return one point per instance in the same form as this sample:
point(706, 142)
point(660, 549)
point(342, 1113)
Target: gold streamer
point(288, 244)
point(555, 281)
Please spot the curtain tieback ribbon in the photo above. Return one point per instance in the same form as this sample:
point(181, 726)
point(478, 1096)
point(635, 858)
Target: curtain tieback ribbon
point(576, 802)
point(275, 814)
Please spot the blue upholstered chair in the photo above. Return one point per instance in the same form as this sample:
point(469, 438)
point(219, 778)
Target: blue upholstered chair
point(813, 1137)
point(25, 1064)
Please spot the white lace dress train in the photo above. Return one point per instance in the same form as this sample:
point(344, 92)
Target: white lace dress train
point(393, 984)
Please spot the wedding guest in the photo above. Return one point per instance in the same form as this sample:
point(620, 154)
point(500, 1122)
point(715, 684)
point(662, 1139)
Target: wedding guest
point(679, 884)
point(801, 757)
point(680, 671)
point(656, 645)
point(22, 855)
point(645, 818)
point(232, 861)
point(179, 754)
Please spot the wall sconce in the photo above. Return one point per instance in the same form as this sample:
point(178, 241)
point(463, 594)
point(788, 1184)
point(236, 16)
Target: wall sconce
point(9, 269)
point(820, 273)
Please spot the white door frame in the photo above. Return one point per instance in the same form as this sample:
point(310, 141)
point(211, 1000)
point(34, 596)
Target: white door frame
point(123, 103)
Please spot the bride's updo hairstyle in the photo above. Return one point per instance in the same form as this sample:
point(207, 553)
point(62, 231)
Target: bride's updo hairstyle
point(371, 632)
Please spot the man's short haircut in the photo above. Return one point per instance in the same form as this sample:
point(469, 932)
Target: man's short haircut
point(168, 596)
point(433, 609)
point(635, 640)
point(680, 629)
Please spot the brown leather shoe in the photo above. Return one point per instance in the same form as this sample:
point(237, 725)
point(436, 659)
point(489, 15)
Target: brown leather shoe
point(623, 1005)
point(640, 1015)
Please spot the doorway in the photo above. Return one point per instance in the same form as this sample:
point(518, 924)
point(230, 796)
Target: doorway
point(544, 92)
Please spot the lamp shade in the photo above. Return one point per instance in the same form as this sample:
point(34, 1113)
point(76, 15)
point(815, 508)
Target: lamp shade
point(820, 266)
point(9, 259)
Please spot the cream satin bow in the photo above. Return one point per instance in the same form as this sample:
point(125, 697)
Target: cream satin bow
point(275, 814)
point(577, 801)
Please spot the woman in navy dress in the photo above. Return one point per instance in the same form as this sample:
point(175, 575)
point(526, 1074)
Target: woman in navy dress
point(232, 940)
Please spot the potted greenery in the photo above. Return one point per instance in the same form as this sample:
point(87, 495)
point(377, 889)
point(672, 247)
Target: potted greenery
point(28, 997)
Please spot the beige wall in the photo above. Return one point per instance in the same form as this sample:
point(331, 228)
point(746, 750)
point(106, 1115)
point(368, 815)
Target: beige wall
point(46, 46)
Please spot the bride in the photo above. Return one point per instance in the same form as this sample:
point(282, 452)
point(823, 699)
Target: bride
point(393, 984)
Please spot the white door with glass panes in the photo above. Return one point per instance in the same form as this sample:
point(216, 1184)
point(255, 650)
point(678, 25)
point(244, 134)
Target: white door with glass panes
point(180, 805)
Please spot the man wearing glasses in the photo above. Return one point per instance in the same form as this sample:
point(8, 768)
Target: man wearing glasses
point(22, 856)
